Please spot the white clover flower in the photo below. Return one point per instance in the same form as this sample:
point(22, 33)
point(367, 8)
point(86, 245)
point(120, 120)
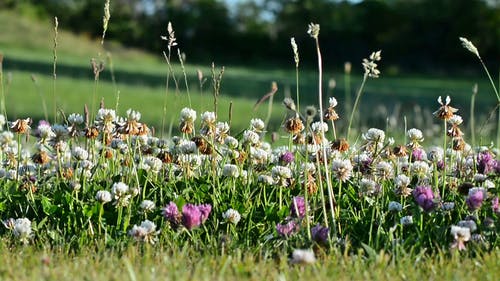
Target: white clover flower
point(146, 232)
point(250, 137)
point(259, 155)
point(470, 224)
point(22, 229)
point(333, 102)
point(460, 232)
point(147, 206)
point(308, 167)
point(80, 153)
point(384, 169)
point(75, 118)
point(342, 169)
point(420, 168)
point(395, 206)
point(188, 115)
point(415, 135)
point(374, 135)
point(480, 177)
point(105, 119)
point(153, 163)
point(281, 172)
point(406, 220)
point(232, 216)
point(133, 115)
point(45, 131)
point(208, 117)
point(455, 120)
point(119, 189)
point(318, 127)
point(435, 154)
point(188, 147)
point(103, 196)
point(265, 179)
point(231, 142)
point(402, 181)
point(231, 171)
point(303, 257)
point(448, 206)
point(222, 127)
point(368, 186)
point(257, 125)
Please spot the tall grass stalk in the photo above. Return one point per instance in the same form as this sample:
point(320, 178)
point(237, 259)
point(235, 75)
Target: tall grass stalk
point(356, 102)
point(297, 60)
point(113, 80)
point(471, 48)
point(314, 32)
point(54, 92)
point(347, 87)
point(472, 114)
point(181, 60)
point(2, 90)
point(216, 82)
point(105, 20)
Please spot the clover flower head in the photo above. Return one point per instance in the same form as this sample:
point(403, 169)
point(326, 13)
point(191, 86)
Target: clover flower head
point(342, 169)
point(476, 197)
point(406, 220)
point(319, 127)
point(333, 102)
point(145, 232)
point(288, 228)
point(257, 125)
point(188, 115)
point(75, 118)
point(374, 135)
point(303, 257)
point(133, 115)
point(395, 206)
point(147, 206)
point(298, 208)
point(231, 171)
point(232, 216)
point(208, 117)
point(320, 233)
point(460, 235)
point(103, 196)
point(424, 197)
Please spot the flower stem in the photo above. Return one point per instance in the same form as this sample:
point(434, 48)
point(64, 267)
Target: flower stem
point(356, 101)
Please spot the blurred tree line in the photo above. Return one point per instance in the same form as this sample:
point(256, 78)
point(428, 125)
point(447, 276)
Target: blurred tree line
point(415, 35)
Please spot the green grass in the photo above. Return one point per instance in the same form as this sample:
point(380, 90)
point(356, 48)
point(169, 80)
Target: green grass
point(156, 264)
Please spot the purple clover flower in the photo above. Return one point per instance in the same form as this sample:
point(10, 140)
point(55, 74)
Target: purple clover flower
point(495, 206)
point(424, 197)
point(205, 210)
point(475, 198)
point(418, 154)
point(320, 233)
point(288, 228)
point(287, 157)
point(171, 213)
point(191, 216)
point(486, 163)
point(298, 208)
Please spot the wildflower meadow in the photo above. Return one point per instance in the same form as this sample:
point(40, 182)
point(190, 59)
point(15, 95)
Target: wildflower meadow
point(79, 182)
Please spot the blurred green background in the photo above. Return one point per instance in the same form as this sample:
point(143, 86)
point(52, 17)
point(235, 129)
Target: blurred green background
point(422, 57)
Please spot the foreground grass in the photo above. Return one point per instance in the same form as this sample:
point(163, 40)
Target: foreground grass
point(156, 263)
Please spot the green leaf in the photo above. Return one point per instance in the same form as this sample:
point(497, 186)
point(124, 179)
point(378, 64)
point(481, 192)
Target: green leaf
point(48, 207)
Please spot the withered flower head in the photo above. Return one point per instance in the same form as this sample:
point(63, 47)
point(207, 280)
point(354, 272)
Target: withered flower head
point(458, 144)
point(21, 126)
point(400, 150)
point(331, 114)
point(294, 125)
point(340, 145)
point(445, 112)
